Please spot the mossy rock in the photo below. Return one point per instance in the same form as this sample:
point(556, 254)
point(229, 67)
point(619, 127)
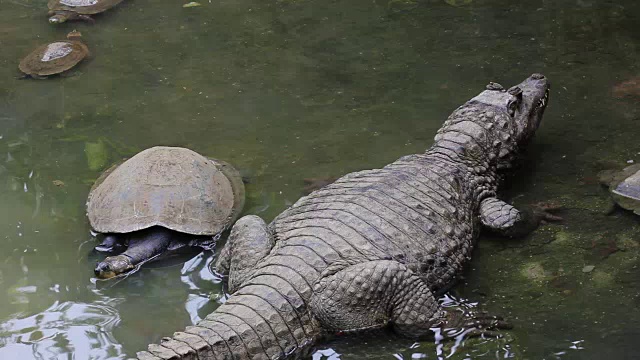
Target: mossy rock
point(535, 272)
point(602, 279)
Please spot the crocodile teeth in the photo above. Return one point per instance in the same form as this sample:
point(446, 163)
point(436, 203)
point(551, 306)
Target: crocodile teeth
point(543, 101)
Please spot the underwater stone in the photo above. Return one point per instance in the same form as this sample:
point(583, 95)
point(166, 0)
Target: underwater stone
point(534, 271)
point(588, 268)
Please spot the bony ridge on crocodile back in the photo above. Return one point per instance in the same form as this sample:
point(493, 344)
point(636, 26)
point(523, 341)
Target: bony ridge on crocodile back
point(376, 247)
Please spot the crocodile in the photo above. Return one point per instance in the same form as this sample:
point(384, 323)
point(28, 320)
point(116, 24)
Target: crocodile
point(376, 247)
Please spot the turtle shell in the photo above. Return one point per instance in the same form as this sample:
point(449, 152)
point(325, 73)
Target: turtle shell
point(626, 188)
point(172, 187)
point(54, 58)
point(85, 7)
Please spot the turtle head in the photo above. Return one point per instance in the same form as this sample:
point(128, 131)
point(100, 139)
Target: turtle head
point(74, 35)
point(113, 266)
point(58, 17)
point(607, 177)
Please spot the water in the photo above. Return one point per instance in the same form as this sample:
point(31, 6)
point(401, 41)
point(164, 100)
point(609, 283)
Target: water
point(294, 89)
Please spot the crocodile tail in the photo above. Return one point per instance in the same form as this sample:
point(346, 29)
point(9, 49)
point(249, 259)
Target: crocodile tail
point(258, 322)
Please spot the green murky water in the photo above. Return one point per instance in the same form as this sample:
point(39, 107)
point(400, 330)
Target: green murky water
point(292, 89)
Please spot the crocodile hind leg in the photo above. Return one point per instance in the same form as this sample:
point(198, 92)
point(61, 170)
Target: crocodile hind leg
point(374, 294)
point(249, 242)
point(383, 292)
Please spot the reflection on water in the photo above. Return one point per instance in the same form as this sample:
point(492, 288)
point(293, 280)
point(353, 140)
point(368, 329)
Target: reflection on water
point(328, 354)
point(198, 270)
point(446, 343)
point(90, 330)
point(79, 328)
point(288, 90)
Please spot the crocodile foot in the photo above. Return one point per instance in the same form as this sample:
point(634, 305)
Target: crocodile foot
point(473, 324)
point(543, 212)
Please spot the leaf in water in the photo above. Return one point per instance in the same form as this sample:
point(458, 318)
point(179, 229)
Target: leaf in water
point(58, 183)
point(97, 155)
point(457, 3)
point(191, 4)
point(588, 268)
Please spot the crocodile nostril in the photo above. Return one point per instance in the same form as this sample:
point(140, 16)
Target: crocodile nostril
point(537, 76)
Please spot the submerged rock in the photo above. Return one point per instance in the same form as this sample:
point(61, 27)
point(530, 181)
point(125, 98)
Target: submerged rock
point(535, 272)
point(587, 269)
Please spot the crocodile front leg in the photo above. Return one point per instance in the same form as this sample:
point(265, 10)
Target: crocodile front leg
point(249, 242)
point(505, 219)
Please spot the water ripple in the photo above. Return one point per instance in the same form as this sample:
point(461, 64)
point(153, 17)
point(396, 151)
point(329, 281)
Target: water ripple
point(81, 329)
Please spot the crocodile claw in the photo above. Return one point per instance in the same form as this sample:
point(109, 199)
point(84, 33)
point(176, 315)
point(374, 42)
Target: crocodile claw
point(473, 324)
point(543, 211)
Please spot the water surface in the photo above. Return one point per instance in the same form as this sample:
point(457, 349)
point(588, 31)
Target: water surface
point(294, 89)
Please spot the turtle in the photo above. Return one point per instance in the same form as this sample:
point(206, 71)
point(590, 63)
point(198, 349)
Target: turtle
point(54, 58)
point(63, 10)
point(161, 199)
point(624, 186)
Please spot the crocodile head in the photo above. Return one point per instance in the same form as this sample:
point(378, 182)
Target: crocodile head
point(525, 104)
point(513, 114)
point(530, 99)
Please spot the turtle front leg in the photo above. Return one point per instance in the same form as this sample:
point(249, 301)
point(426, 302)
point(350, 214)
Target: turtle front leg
point(505, 219)
point(111, 243)
point(59, 17)
point(143, 246)
point(85, 18)
point(249, 242)
point(31, 76)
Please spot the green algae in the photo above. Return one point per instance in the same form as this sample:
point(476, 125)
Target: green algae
point(598, 203)
point(563, 266)
point(401, 5)
point(97, 155)
point(564, 238)
point(458, 3)
point(535, 272)
point(602, 279)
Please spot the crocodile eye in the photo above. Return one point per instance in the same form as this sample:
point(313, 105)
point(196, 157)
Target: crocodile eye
point(512, 106)
point(514, 101)
point(515, 91)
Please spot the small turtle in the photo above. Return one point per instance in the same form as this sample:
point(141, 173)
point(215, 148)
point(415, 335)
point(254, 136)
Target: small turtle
point(161, 199)
point(63, 10)
point(624, 186)
point(54, 58)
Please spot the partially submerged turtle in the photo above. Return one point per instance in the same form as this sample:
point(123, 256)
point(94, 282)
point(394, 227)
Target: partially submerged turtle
point(161, 199)
point(624, 186)
point(54, 58)
point(64, 10)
